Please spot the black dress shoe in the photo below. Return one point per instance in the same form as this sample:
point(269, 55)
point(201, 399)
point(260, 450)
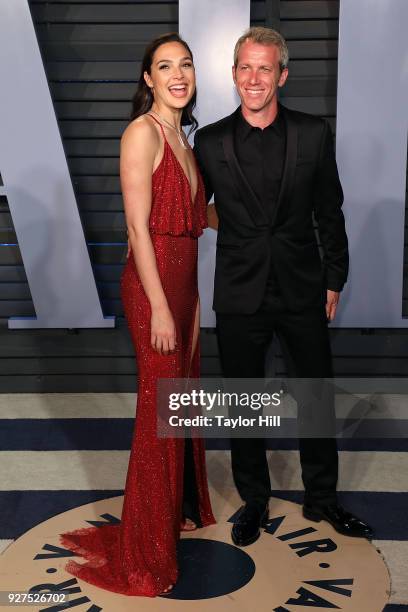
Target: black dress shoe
point(344, 522)
point(247, 528)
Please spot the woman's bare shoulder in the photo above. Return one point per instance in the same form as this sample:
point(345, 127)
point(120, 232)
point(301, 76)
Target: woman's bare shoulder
point(142, 132)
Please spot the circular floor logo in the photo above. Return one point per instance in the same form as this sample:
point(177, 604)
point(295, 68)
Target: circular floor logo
point(295, 565)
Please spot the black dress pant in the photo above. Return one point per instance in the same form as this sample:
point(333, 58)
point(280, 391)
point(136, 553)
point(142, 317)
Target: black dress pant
point(243, 342)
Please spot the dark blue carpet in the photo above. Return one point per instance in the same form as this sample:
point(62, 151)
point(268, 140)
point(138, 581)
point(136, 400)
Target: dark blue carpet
point(22, 510)
point(116, 434)
point(385, 512)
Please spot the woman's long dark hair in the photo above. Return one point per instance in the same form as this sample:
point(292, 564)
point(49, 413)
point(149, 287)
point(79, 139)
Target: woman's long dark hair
point(143, 98)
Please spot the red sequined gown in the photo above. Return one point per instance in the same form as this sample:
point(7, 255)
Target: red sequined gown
point(138, 556)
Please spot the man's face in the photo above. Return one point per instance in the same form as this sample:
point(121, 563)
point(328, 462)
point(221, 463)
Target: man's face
point(257, 75)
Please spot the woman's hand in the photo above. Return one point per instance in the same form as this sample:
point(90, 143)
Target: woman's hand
point(163, 330)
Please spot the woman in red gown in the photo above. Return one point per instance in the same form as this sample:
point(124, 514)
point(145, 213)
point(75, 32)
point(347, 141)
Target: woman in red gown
point(166, 487)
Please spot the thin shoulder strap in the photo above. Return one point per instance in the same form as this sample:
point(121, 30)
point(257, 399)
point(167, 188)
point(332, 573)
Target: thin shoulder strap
point(161, 127)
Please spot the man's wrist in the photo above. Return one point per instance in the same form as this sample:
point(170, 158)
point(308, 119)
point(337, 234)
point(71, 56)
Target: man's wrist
point(333, 286)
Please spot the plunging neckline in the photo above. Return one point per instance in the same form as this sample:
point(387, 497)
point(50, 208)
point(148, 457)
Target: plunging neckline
point(193, 199)
point(166, 143)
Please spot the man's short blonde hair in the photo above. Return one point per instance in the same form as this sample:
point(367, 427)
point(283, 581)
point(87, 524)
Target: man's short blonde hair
point(264, 36)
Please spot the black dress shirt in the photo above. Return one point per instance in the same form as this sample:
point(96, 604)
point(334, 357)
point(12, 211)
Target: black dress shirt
point(261, 155)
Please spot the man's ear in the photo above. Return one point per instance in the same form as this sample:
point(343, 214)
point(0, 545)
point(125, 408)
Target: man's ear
point(234, 74)
point(283, 77)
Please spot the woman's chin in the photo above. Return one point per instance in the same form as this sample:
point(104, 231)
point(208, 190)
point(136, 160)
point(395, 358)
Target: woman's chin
point(179, 101)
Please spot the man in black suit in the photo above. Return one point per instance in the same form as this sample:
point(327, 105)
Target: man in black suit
point(271, 170)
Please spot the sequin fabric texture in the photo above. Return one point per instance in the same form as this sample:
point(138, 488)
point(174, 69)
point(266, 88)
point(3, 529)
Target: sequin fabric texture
point(138, 556)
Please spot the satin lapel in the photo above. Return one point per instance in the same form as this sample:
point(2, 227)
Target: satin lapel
point(289, 168)
point(249, 199)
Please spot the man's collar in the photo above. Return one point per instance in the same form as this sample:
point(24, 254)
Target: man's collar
point(246, 128)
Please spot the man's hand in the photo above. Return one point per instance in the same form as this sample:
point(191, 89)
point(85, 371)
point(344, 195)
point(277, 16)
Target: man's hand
point(331, 304)
point(212, 217)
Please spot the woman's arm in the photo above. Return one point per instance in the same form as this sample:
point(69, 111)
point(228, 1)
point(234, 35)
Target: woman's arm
point(139, 150)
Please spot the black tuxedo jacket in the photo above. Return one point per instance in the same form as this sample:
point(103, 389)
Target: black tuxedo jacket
point(250, 241)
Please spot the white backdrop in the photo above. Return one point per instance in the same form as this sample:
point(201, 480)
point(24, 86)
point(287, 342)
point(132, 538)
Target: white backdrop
point(372, 125)
point(38, 185)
